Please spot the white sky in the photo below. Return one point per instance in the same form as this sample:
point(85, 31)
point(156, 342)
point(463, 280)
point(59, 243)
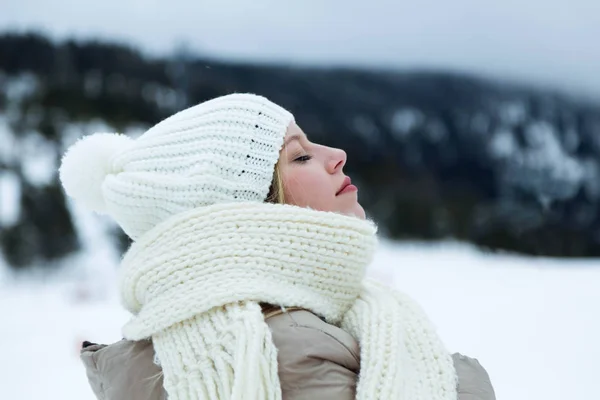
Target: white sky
point(541, 41)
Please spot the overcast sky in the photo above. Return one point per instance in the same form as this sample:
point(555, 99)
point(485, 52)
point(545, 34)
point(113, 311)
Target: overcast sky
point(553, 42)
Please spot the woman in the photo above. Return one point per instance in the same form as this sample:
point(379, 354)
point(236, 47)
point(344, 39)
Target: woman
point(246, 275)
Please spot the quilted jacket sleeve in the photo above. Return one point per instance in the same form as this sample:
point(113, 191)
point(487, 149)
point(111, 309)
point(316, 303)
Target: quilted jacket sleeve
point(473, 380)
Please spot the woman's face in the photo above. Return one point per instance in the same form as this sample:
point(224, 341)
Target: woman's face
point(313, 176)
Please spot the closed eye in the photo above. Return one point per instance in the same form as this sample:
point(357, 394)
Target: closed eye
point(303, 158)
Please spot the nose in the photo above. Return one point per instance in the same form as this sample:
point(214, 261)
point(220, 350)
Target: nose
point(336, 161)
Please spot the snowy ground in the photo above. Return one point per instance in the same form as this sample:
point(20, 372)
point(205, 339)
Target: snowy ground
point(533, 323)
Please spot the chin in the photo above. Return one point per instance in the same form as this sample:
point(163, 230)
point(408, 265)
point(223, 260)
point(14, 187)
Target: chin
point(361, 214)
point(356, 211)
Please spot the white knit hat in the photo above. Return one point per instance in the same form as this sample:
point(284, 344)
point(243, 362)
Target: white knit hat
point(222, 150)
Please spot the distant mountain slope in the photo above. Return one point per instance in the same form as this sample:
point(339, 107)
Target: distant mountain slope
point(435, 155)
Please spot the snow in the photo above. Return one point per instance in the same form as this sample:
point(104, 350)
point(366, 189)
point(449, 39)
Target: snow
point(164, 97)
point(38, 159)
point(513, 113)
point(530, 321)
point(503, 144)
point(543, 167)
point(10, 198)
point(21, 87)
point(94, 268)
point(405, 121)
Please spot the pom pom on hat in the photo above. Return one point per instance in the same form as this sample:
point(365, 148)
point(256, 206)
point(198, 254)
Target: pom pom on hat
point(87, 163)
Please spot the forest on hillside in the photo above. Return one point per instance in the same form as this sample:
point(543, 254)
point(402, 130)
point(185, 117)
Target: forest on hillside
point(436, 155)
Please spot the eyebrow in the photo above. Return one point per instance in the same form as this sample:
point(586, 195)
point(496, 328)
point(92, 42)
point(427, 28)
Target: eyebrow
point(291, 138)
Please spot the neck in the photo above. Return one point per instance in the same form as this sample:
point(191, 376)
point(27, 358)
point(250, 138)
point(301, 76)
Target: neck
point(227, 253)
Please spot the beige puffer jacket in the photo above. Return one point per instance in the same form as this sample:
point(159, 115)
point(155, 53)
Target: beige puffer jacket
point(316, 361)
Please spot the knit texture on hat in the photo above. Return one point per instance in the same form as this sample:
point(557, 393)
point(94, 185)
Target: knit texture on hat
point(194, 283)
point(222, 150)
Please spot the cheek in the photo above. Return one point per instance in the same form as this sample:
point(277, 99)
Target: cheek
point(307, 188)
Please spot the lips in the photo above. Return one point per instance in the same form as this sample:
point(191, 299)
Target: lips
point(346, 182)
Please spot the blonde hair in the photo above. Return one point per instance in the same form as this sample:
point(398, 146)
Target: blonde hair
point(276, 191)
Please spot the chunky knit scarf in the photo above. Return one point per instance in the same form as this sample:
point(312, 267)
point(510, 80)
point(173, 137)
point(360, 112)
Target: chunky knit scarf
point(194, 284)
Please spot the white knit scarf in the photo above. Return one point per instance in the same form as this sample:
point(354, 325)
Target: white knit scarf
point(194, 283)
